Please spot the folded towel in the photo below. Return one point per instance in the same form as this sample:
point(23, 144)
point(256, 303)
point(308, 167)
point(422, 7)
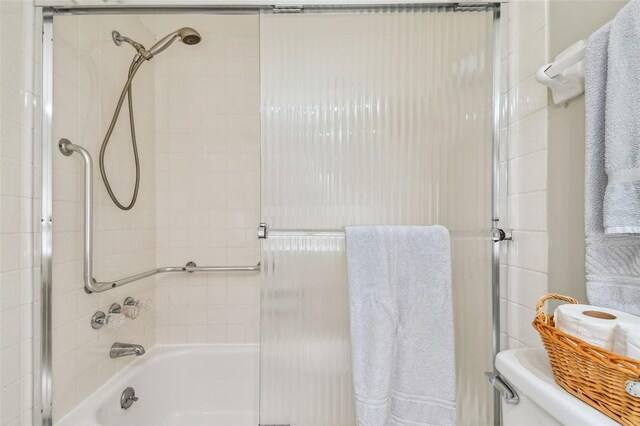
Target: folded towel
point(622, 124)
point(402, 325)
point(596, 56)
point(612, 261)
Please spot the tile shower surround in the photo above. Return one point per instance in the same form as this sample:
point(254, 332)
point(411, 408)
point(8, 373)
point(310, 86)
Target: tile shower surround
point(89, 72)
point(523, 155)
point(208, 180)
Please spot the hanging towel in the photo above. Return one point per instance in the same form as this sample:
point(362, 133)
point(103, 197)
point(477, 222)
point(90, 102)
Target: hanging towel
point(622, 124)
point(612, 260)
point(401, 325)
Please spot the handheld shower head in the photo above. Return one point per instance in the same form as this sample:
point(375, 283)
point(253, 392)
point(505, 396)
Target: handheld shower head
point(186, 35)
point(189, 36)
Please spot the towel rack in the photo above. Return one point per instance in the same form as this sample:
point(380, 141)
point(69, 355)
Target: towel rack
point(565, 76)
point(91, 285)
point(264, 232)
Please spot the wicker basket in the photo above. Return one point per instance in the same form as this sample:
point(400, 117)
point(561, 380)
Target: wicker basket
point(594, 375)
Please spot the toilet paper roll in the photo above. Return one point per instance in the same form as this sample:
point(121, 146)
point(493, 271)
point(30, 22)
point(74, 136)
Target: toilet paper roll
point(593, 324)
point(627, 339)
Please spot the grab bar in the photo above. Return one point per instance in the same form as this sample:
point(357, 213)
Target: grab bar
point(91, 285)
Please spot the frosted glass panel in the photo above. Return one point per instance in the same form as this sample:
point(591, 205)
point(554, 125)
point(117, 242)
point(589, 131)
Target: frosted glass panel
point(370, 117)
point(305, 349)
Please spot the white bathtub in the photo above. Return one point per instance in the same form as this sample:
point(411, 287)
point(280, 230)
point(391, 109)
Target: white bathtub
point(179, 385)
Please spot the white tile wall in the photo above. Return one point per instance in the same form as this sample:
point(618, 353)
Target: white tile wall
point(524, 156)
point(208, 179)
point(89, 72)
point(18, 99)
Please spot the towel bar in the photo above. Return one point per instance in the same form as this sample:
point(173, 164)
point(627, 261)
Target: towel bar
point(264, 232)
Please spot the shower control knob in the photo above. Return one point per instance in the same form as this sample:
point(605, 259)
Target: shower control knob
point(133, 307)
point(114, 321)
point(131, 311)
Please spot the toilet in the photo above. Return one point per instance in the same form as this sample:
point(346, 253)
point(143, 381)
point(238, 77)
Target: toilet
point(541, 401)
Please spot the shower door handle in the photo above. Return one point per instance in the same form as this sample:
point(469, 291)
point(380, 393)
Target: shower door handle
point(500, 234)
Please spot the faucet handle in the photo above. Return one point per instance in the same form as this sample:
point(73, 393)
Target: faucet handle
point(130, 311)
point(132, 307)
point(114, 320)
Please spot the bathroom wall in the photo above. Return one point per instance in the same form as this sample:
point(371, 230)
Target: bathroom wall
point(570, 21)
point(19, 53)
point(208, 179)
point(89, 72)
point(545, 144)
point(524, 158)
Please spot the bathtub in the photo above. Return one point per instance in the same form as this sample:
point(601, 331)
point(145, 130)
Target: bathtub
point(179, 385)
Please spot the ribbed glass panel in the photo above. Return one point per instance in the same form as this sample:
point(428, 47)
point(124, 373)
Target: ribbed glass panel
point(305, 352)
point(369, 117)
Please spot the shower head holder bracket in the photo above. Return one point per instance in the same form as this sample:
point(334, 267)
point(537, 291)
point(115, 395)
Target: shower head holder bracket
point(115, 35)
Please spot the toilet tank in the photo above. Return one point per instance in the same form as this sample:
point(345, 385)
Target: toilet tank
point(542, 401)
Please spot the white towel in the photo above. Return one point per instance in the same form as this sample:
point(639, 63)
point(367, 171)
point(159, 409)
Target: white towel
point(596, 57)
point(612, 261)
point(402, 325)
point(622, 124)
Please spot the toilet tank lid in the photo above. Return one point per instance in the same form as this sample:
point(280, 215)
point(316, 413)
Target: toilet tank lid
point(529, 371)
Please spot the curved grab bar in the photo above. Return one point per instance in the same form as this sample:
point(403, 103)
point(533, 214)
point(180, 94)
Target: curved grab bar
point(91, 285)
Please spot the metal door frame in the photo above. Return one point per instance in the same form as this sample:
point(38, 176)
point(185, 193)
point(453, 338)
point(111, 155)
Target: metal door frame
point(240, 7)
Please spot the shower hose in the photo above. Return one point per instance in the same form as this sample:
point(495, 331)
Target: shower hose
point(126, 90)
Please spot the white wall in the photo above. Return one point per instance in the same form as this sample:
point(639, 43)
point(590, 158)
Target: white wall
point(545, 160)
point(524, 158)
point(570, 21)
point(208, 179)
point(89, 72)
point(18, 98)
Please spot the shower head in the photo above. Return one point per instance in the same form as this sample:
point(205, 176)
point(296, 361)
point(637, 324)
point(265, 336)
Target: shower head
point(189, 36)
point(186, 35)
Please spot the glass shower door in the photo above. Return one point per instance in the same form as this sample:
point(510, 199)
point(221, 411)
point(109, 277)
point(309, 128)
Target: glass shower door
point(369, 117)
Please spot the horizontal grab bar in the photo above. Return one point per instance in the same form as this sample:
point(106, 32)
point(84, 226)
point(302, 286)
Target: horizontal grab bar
point(189, 267)
point(91, 285)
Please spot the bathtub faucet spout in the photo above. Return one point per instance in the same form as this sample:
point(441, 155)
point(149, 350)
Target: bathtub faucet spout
point(125, 349)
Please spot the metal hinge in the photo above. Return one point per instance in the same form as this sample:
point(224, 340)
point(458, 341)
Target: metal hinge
point(262, 231)
point(287, 8)
point(499, 234)
point(506, 390)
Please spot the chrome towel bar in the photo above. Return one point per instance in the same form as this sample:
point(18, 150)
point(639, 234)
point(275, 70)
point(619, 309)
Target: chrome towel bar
point(91, 285)
point(264, 232)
